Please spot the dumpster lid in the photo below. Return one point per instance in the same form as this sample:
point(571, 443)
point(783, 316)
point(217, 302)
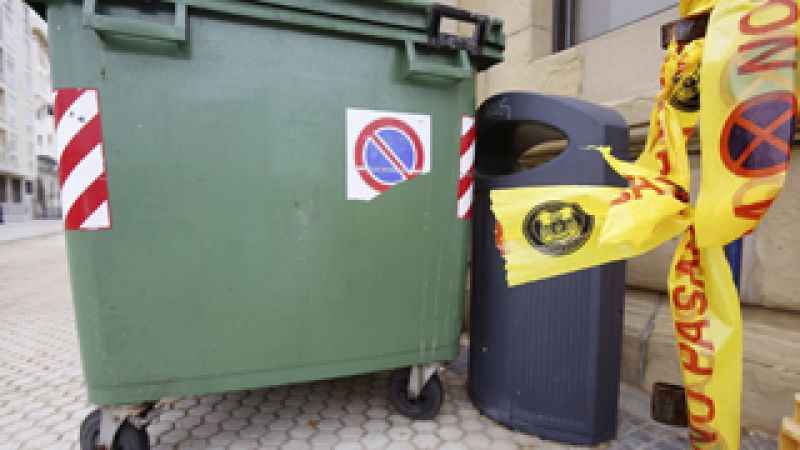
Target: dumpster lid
point(418, 22)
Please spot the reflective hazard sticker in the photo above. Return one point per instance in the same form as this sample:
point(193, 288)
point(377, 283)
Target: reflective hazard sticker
point(385, 149)
point(82, 168)
point(467, 166)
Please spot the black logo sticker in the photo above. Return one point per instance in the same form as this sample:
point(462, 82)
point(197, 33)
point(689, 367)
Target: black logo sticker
point(558, 228)
point(686, 94)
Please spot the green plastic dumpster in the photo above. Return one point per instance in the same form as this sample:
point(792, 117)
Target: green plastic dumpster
point(262, 192)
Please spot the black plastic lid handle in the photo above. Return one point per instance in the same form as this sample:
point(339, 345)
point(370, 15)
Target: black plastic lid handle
point(473, 44)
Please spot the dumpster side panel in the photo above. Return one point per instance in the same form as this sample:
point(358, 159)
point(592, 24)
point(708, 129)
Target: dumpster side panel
point(234, 260)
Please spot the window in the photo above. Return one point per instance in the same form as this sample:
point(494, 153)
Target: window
point(42, 51)
point(12, 148)
point(31, 158)
point(43, 112)
point(7, 28)
point(39, 139)
point(27, 20)
point(9, 72)
point(11, 111)
point(28, 187)
point(16, 190)
point(27, 43)
point(28, 80)
point(576, 21)
point(3, 188)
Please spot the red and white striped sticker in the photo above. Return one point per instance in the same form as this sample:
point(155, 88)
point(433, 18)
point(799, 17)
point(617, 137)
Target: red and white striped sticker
point(465, 180)
point(82, 168)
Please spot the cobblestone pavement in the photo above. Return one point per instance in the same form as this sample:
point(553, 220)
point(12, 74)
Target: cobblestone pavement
point(42, 398)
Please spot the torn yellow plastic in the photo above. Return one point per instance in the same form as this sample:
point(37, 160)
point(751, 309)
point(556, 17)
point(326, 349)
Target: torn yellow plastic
point(696, 7)
point(708, 332)
point(674, 114)
point(524, 260)
point(744, 74)
point(748, 86)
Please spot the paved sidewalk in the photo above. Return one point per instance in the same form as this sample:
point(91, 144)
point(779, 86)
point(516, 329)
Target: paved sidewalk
point(13, 231)
point(42, 397)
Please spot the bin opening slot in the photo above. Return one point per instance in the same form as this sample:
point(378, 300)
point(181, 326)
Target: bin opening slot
point(511, 147)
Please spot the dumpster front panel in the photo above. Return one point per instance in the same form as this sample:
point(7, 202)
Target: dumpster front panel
point(234, 259)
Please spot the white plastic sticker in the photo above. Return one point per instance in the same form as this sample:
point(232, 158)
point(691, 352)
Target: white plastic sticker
point(385, 149)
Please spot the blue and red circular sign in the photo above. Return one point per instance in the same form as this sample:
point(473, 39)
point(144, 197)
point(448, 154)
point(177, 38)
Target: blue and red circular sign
point(756, 140)
point(388, 152)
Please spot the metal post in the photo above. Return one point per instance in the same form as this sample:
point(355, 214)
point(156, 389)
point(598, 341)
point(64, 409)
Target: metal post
point(733, 252)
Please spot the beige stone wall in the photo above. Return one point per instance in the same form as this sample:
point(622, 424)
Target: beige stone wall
point(772, 260)
point(621, 69)
point(623, 65)
point(771, 366)
point(528, 65)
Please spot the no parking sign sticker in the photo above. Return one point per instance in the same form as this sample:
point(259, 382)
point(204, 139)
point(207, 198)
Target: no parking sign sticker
point(385, 149)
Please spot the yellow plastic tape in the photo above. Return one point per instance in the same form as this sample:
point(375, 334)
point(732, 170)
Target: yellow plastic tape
point(748, 88)
point(548, 231)
point(740, 82)
point(694, 7)
point(708, 332)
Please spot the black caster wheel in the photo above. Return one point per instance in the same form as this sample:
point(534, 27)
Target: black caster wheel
point(128, 437)
point(424, 407)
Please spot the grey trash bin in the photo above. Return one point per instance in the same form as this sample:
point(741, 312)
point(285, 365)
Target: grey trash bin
point(545, 356)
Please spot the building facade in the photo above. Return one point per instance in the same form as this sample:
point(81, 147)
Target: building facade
point(609, 52)
point(28, 185)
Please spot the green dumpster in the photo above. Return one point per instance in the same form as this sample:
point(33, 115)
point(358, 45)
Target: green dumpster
point(263, 192)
